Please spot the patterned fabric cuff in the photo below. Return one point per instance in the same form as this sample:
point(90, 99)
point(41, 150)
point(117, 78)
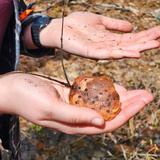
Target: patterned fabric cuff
point(34, 52)
point(38, 52)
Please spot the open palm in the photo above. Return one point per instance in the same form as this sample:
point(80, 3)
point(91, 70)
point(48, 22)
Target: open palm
point(45, 103)
point(131, 103)
point(91, 35)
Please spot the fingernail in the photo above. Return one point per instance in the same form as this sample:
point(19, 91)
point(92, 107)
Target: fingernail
point(98, 121)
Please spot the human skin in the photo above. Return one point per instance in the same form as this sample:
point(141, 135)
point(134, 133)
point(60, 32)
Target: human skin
point(45, 103)
point(91, 35)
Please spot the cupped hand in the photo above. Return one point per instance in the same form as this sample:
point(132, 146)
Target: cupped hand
point(39, 101)
point(132, 102)
point(46, 103)
point(91, 35)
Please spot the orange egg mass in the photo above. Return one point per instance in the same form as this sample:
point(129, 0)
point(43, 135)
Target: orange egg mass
point(96, 92)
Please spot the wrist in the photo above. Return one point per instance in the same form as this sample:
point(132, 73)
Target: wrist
point(50, 35)
point(31, 29)
point(27, 38)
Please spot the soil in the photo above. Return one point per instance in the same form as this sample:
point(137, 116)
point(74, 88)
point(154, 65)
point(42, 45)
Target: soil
point(139, 139)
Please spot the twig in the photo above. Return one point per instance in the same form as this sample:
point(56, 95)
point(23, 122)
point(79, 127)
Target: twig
point(124, 152)
point(40, 75)
point(62, 30)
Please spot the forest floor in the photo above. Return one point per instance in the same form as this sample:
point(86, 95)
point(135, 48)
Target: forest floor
point(139, 139)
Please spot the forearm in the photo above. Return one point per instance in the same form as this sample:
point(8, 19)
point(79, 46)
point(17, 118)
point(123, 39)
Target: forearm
point(5, 91)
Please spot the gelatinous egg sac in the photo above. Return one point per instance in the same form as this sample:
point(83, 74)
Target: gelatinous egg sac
point(96, 92)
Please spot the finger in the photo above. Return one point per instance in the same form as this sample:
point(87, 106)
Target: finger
point(149, 34)
point(76, 115)
point(143, 36)
point(128, 112)
point(71, 129)
point(116, 24)
point(104, 52)
point(120, 89)
point(143, 94)
point(117, 53)
point(146, 97)
point(131, 108)
point(143, 46)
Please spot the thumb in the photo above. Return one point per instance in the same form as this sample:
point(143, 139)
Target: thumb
point(76, 115)
point(116, 24)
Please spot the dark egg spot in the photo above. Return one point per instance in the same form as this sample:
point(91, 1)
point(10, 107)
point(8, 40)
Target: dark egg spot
point(86, 90)
point(107, 99)
point(79, 96)
point(109, 103)
point(96, 97)
point(107, 110)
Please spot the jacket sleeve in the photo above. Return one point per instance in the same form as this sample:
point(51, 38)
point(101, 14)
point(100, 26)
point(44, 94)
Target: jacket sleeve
point(29, 19)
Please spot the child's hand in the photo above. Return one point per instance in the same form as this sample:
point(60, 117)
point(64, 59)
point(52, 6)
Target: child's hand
point(91, 35)
point(46, 103)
